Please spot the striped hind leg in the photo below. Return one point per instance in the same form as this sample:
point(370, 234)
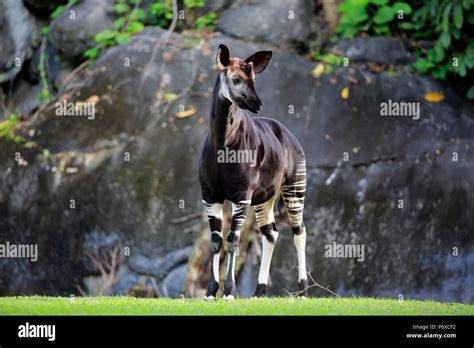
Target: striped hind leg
point(293, 193)
point(266, 223)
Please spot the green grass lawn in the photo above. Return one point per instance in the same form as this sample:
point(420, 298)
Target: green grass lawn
point(38, 305)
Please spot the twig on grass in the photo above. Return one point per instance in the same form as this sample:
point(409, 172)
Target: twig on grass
point(296, 293)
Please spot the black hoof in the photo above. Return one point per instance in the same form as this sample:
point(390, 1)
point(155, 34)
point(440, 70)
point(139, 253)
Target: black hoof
point(229, 289)
point(303, 288)
point(212, 288)
point(261, 290)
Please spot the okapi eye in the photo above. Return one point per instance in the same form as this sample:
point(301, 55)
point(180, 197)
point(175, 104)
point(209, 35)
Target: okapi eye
point(235, 80)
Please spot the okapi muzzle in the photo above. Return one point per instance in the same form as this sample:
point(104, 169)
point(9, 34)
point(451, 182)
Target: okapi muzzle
point(278, 170)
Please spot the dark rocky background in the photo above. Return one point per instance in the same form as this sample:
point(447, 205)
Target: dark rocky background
point(147, 209)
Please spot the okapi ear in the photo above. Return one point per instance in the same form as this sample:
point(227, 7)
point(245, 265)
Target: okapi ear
point(222, 57)
point(260, 60)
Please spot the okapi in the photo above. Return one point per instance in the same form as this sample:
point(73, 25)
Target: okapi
point(280, 170)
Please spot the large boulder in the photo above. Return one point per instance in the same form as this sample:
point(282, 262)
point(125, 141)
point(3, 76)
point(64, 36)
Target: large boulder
point(215, 5)
point(172, 285)
point(19, 34)
point(376, 49)
point(279, 22)
point(72, 32)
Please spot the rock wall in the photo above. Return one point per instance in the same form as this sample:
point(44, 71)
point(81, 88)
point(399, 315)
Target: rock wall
point(128, 176)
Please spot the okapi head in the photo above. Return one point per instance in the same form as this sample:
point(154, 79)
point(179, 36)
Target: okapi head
point(237, 77)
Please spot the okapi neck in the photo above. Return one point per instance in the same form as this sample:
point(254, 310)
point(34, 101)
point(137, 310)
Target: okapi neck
point(222, 119)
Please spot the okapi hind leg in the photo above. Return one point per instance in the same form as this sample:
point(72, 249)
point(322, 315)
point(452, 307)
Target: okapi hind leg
point(266, 223)
point(300, 244)
point(215, 216)
point(293, 194)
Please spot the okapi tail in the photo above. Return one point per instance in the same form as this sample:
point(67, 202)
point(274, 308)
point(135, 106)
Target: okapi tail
point(281, 211)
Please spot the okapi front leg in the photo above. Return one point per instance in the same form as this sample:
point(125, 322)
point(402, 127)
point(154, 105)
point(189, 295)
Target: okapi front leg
point(215, 215)
point(239, 213)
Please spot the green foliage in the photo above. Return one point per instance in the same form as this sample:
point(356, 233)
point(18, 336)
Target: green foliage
point(121, 8)
point(105, 38)
point(60, 9)
point(92, 53)
point(329, 58)
point(451, 24)
point(46, 153)
point(207, 21)
point(7, 129)
point(131, 20)
point(190, 4)
point(162, 13)
point(44, 94)
point(379, 17)
point(57, 12)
